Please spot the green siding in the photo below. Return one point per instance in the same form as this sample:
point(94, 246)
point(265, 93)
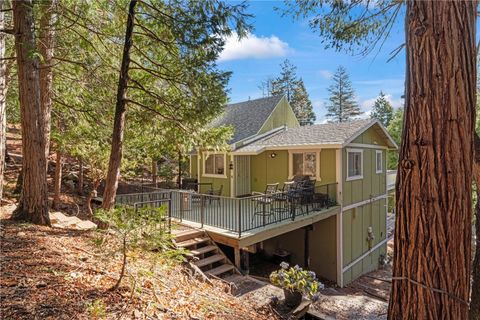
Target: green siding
point(193, 166)
point(281, 115)
point(355, 231)
point(322, 247)
point(371, 185)
point(216, 182)
point(265, 169)
point(371, 136)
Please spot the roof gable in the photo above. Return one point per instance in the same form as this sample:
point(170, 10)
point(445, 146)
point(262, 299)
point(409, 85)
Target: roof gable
point(332, 134)
point(247, 118)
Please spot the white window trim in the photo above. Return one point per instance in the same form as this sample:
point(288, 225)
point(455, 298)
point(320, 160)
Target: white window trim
point(317, 160)
point(360, 176)
point(211, 175)
point(381, 162)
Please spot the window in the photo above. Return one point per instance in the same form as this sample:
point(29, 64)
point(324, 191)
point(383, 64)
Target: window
point(355, 164)
point(304, 163)
point(214, 164)
point(378, 161)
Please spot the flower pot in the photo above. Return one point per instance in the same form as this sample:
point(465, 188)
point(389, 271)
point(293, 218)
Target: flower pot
point(292, 298)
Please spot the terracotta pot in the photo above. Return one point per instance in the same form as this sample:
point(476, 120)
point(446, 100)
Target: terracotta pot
point(292, 298)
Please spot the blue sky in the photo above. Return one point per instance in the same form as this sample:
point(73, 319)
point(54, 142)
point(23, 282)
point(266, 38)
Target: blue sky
point(277, 38)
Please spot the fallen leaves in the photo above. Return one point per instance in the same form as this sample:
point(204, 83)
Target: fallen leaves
point(65, 274)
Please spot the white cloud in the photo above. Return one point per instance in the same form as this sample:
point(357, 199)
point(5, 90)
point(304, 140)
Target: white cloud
point(326, 74)
point(253, 47)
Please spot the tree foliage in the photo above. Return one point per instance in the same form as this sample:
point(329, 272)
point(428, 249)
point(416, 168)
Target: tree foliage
point(342, 105)
point(288, 84)
point(382, 110)
point(395, 128)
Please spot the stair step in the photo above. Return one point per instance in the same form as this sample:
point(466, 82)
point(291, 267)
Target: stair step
point(192, 242)
point(209, 260)
point(202, 250)
point(188, 234)
point(219, 270)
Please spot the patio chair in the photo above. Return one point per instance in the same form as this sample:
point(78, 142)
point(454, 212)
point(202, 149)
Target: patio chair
point(307, 192)
point(263, 200)
point(215, 193)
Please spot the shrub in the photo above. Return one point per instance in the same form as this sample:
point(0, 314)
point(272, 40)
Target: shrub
point(296, 279)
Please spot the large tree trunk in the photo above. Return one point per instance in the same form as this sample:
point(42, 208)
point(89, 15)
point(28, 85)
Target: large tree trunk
point(33, 203)
point(113, 173)
point(46, 46)
point(432, 257)
point(3, 96)
point(475, 297)
point(57, 181)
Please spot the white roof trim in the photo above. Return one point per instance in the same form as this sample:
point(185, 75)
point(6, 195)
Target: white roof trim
point(368, 126)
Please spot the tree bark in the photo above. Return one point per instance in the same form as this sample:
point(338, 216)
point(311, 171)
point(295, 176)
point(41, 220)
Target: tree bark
point(432, 250)
point(57, 181)
point(475, 296)
point(113, 173)
point(46, 46)
point(33, 203)
point(3, 96)
point(154, 172)
point(80, 178)
point(179, 178)
point(92, 195)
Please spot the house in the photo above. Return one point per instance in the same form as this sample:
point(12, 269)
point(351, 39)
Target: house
point(347, 162)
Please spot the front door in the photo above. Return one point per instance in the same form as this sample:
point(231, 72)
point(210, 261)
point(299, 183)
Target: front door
point(242, 175)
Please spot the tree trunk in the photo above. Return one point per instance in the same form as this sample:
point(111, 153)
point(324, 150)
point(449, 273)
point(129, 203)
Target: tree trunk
point(179, 178)
point(432, 250)
point(475, 296)
point(113, 173)
point(154, 172)
point(92, 195)
point(80, 178)
point(57, 181)
point(3, 95)
point(33, 203)
point(46, 45)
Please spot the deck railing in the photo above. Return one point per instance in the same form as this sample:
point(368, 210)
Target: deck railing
point(236, 215)
point(239, 215)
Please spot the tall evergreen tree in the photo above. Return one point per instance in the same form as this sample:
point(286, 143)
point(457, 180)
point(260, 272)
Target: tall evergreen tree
point(342, 105)
point(286, 83)
point(301, 104)
point(293, 88)
point(382, 110)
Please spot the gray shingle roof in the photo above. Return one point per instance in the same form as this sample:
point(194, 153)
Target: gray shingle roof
point(247, 117)
point(318, 134)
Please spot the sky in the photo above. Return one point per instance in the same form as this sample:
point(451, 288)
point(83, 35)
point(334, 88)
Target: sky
point(276, 38)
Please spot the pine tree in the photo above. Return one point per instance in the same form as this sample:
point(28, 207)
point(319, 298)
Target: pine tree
point(342, 106)
point(293, 88)
point(382, 110)
point(286, 83)
point(301, 104)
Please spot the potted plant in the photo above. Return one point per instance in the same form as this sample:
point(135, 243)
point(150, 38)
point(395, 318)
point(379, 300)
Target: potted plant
point(296, 283)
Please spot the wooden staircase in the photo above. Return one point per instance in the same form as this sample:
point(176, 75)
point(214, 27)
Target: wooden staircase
point(206, 255)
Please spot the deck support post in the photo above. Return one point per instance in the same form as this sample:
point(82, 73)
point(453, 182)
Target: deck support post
point(306, 254)
point(246, 261)
point(238, 260)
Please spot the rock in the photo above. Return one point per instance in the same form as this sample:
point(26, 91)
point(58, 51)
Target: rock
point(71, 176)
point(21, 234)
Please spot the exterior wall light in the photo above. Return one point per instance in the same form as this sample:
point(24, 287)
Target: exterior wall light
point(273, 155)
point(230, 166)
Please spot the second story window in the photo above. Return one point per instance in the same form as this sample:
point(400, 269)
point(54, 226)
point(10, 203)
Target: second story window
point(354, 164)
point(214, 164)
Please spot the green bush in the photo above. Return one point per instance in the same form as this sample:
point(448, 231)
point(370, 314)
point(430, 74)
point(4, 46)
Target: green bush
point(296, 279)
